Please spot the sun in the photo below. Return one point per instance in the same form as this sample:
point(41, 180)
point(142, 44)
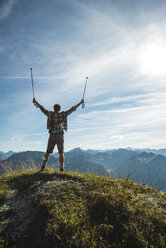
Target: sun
point(152, 58)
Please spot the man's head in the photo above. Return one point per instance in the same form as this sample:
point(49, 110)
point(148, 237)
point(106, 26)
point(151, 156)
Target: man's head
point(57, 107)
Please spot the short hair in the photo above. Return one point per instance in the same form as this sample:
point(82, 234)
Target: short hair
point(57, 107)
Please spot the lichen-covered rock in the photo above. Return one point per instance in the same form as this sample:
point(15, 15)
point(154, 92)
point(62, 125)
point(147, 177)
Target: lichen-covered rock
point(18, 212)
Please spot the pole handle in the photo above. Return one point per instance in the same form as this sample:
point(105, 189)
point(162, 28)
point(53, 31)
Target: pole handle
point(83, 104)
point(35, 105)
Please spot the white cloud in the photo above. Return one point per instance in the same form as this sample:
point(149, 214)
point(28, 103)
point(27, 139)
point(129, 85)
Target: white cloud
point(117, 137)
point(6, 8)
point(137, 125)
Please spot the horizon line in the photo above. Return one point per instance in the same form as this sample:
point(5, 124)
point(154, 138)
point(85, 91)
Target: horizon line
point(93, 149)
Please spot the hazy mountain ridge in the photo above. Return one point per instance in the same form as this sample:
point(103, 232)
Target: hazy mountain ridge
point(143, 167)
point(146, 168)
point(156, 151)
point(5, 155)
point(33, 159)
point(114, 159)
point(28, 159)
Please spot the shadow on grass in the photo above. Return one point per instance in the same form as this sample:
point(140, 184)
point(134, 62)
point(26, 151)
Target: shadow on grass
point(23, 179)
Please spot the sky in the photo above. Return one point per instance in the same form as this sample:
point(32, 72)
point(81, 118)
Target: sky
point(121, 47)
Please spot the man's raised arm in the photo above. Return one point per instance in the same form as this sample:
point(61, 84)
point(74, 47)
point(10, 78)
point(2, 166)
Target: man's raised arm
point(40, 107)
point(68, 112)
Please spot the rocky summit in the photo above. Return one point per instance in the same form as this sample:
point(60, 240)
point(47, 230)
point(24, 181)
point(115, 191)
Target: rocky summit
point(52, 209)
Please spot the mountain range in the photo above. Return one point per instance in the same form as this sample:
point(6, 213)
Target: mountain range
point(145, 168)
point(4, 155)
point(33, 159)
point(141, 166)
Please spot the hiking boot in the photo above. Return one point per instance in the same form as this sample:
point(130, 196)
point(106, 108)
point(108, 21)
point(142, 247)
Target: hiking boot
point(44, 163)
point(42, 168)
point(61, 170)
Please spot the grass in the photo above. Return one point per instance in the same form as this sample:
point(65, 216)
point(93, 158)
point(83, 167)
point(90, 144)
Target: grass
point(86, 211)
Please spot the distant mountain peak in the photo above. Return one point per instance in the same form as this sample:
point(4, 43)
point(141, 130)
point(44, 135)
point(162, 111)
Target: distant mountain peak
point(78, 149)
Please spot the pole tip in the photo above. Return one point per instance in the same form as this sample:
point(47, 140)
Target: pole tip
point(31, 68)
point(86, 77)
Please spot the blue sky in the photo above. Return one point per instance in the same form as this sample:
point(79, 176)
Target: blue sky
point(119, 45)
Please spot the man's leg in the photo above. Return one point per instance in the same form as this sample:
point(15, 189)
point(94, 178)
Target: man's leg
point(60, 145)
point(50, 148)
point(61, 161)
point(45, 159)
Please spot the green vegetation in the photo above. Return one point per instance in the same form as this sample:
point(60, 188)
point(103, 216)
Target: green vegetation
point(80, 210)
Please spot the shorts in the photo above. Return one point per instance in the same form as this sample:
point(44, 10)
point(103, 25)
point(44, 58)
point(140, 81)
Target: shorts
point(56, 139)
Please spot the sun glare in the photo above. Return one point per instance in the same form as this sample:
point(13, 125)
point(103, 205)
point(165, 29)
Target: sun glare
point(153, 58)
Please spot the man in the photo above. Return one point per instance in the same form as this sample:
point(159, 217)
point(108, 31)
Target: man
point(56, 124)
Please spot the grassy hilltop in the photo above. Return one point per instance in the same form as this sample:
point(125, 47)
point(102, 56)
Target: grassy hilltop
point(51, 209)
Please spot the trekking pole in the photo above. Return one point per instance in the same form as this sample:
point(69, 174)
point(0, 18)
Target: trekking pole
point(33, 86)
point(83, 104)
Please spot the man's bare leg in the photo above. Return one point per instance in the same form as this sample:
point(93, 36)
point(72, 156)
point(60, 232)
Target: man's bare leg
point(45, 159)
point(61, 161)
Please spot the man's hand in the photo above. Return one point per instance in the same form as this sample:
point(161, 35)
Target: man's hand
point(82, 101)
point(35, 103)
